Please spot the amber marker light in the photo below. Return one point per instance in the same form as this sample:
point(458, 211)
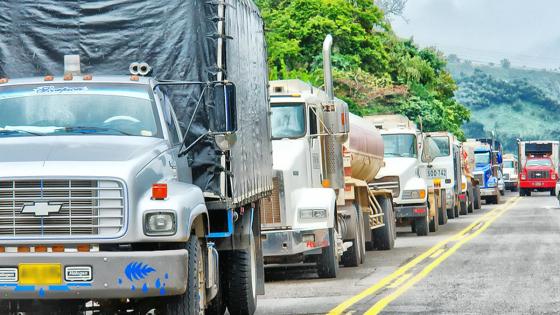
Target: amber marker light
point(159, 191)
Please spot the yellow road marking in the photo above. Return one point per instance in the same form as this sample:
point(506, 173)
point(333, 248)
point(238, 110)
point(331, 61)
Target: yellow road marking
point(418, 259)
point(381, 304)
point(437, 253)
point(400, 280)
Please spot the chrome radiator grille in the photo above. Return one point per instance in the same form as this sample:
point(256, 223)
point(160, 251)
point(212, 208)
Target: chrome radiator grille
point(538, 174)
point(77, 207)
point(271, 211)
point(391, 183)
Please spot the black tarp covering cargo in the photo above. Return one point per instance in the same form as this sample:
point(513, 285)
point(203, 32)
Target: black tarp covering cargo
point(181, 40)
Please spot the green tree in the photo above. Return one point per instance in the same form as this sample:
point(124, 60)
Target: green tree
point(375, 72)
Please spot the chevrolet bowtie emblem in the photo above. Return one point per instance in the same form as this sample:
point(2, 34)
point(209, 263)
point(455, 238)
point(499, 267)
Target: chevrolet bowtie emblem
point(41, 209)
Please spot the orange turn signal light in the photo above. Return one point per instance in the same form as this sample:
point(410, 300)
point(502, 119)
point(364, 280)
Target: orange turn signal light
point(326, 183)
point(159, 191)
point(40, 249)
point(58, 248)
point(83, 248)
point(23, 249)
point(49, 78)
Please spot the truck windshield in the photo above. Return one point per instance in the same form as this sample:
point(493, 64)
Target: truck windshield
point(442, 143)
point(508, 164)
point(288, 120)
point(538, 162)
point(77, 109)
point(482, 157)
point(400, 145)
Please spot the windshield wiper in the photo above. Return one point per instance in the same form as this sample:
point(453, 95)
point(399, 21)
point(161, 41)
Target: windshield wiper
point(12, 131)
point(88, 129)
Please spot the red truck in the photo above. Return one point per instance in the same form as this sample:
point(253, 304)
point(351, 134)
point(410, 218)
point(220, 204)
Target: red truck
point(538, 161)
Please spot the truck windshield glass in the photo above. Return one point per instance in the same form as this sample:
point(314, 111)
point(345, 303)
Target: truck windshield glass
point(482, 157)
point(442, 143)
point(508, 164)
point(400, 145)
point(539, 162)
point(288, 121)
point(77, 109)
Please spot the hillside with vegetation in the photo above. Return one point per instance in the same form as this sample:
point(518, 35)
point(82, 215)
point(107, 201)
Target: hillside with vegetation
point(374, 70)
point(515, 103)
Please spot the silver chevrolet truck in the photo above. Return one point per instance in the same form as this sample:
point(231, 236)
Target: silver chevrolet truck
point(97, 201)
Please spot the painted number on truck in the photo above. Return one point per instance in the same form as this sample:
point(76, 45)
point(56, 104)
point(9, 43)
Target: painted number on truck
point(436, 173)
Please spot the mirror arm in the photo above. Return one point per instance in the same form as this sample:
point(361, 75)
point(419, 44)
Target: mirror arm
point(192, 119)
point(195, 142)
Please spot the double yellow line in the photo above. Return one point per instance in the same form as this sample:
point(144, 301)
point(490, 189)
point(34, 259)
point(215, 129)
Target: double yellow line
point(437, 252)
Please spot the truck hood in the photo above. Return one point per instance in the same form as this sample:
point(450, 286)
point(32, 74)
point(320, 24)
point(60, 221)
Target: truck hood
point(538, 168)
point(287, 153)
point(396, 166)
point(112, 156)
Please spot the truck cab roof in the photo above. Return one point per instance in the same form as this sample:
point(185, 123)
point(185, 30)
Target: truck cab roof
point(79, 79)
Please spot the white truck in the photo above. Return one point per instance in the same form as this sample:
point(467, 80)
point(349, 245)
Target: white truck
point(446, 166)
point(510, 174)
point(321, 210)
point(403, 148)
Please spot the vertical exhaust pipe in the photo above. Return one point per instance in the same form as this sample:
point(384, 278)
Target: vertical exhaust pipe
point(327, 66)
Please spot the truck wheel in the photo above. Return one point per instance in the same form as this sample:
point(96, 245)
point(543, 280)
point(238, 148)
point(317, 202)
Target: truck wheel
point(502, 192)
point(421, 226)
point(242, 280)
point(327, 264)
point(477, 200)
point(528, 193)
point(521, 192)
point(553, 192)
point(434, 223)
point(456, 208)
point(464, 205)
point(384, 237)
point(451, 213)
point(192, 301)
point(470, 206)
point(442, 214)
point(352, 256)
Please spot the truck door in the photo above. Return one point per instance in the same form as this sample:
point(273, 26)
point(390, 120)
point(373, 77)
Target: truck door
point(315, 147)
point(457, 169)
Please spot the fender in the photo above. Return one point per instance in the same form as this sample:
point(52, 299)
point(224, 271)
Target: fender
point(186, 200)
point(314, 198)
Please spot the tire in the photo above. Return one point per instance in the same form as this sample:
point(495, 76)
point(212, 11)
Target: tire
point(502, 192)
point(327, 264)
point(553, 192)
point(442, 214)
point(477, 200)
point(521, 192)
point(470, 206)
point(456, 208)
point(192, 301)
point(421, 226)
point(384, 237)
point(464, 206)
point(434, 223)
point(241, 294)
point(451, 213)
point(352, 257)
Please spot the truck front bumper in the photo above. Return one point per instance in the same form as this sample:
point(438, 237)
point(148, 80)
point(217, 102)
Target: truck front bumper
point(537, 184)
point(510, 184)
point(114, 275)
point(484, 192)
point(411, 211)
point(293, 242)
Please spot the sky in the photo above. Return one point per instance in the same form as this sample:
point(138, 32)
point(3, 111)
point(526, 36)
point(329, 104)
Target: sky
point(527, 32)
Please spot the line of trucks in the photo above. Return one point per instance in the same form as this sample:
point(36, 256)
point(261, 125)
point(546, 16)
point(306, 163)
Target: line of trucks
point(172, 187)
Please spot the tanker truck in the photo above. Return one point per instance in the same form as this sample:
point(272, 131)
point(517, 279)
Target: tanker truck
point(403, 144)
point(321, 210)
point(130, 176)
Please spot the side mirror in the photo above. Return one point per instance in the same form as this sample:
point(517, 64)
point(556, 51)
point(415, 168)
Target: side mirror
point(224, 114)
point(500, 160)
point(427, 156)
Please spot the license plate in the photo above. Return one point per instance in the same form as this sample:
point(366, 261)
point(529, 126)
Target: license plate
point(40, 274)
point(538, 184)
point(436, 173)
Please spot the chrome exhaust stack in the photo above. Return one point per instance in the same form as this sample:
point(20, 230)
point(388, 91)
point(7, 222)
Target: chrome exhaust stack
point(139, 68)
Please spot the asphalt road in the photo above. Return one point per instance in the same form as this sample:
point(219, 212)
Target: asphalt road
point(501, 259)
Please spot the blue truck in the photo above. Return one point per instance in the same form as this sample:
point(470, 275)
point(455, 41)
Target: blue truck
point(488, 164)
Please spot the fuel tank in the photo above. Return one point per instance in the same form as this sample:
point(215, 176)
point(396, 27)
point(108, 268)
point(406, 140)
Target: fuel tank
point(366, 148)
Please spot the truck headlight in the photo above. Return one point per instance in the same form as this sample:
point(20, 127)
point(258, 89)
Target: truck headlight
point(309, 214)
point(414, 194)
point(160, 223)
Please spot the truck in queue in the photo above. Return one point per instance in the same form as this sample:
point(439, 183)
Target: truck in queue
point(471, 183)
point(511, 171)
point(538, 162)
point(488, 161)
point(403, 143)
point(131, 175)
point(322, 210)
point(446, 166)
